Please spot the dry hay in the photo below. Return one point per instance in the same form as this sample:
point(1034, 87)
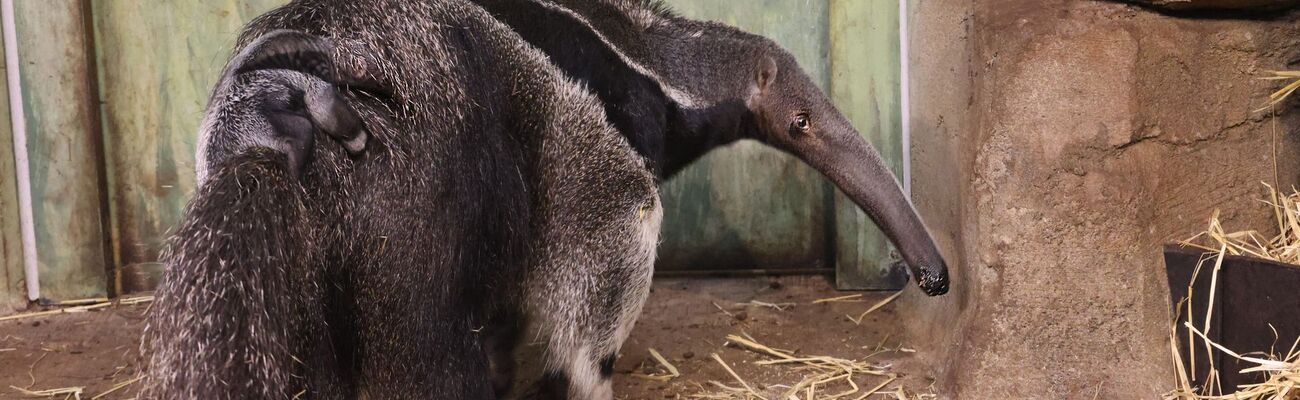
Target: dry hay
point(74, 393)
point(671, 369)
point(882, 303)
point(65, 393)
point(824, 377)
point(1277, 97)
point(1283, 372)
point(1283, 247)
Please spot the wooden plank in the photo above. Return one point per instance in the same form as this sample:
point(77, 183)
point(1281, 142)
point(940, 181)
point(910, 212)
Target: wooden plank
point(749, 206)
point(64, 149)
point(865, 76)
point(13, 294)
point(158, 60)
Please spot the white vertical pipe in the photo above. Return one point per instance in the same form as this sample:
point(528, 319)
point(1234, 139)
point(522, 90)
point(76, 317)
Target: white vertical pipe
point(906, 100)
point(18, 120)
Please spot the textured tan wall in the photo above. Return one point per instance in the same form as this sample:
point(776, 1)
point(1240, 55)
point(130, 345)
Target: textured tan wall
point(1057, 145)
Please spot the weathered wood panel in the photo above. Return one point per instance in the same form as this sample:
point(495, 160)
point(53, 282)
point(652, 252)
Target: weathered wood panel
point(749, 206)
point(865, 76)
point(158, 60)
point(12, 289)
point(64, 149)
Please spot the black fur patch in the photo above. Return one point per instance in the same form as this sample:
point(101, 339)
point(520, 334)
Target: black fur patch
point(552, 385)
point(634, 103)
point(607, 366)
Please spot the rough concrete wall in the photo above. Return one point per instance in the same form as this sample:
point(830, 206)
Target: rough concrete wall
point(942, 131)
point(1057, 145)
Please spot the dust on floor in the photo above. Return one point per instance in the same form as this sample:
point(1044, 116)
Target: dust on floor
point(686, 320)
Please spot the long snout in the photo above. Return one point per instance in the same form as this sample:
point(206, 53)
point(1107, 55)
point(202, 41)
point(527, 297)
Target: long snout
point(855, 167)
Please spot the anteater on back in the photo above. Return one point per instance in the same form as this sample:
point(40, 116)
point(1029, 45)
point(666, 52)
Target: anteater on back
point(490, 186)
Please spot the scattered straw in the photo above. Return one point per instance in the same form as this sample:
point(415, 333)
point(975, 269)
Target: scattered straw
point(1286, 91)
point(824, 377)
point(672, 369)
point(849, 298)
point(749, 390)
point(724, 311)
point(882, 303)
point(1283, 247)
point(119, 386)
point(775, 306)
point(649, 377)
point(68, 310)
point(135, 300)
point(78, 306)
point(81, 302)
point(68, 392)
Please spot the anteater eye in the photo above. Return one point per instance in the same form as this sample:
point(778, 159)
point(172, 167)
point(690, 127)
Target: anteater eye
point(802, 122)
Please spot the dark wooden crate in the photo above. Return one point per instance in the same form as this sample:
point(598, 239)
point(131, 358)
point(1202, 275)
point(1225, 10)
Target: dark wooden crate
point(1251, 294)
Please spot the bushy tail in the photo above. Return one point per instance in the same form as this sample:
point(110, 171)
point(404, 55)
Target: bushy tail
point(239, 297)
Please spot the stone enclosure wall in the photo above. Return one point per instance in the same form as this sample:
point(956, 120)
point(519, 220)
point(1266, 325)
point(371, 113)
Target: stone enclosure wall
point(1056, 146)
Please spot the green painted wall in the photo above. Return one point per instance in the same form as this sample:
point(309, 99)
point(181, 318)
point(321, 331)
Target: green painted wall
point(64, 149)
point(865, 85)
point(157, 62)
point(12, 286)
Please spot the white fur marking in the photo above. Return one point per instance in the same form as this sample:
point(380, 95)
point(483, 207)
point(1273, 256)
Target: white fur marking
point(646, 249)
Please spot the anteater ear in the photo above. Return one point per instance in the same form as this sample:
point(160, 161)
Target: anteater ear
point(332, 114)
point(766, 72)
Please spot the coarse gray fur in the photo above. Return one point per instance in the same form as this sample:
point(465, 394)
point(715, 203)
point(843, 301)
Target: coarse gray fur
point(490, 187)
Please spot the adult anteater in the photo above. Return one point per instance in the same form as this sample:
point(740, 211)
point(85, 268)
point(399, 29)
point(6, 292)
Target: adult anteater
point(679, 88)
point(490, 186)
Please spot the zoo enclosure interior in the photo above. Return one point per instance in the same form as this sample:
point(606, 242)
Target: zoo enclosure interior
point(112, 93)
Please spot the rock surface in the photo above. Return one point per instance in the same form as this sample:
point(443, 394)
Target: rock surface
point(1056, 145)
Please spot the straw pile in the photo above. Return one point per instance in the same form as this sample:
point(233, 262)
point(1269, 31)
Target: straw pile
point(1283, 371)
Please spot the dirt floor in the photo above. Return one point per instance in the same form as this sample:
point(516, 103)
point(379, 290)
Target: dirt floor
point(686, 320)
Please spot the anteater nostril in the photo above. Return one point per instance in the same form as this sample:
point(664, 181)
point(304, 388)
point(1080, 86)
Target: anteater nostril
point(939, 289)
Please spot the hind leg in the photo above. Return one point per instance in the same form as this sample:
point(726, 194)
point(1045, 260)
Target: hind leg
point(580, 357)
point(502, 338)
point(588, 305)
